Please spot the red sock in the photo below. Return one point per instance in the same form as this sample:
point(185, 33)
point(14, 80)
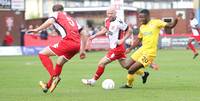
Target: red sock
point(46, 61)
point(58, 69)
point(49, 83)
point(192, 48)
point(99, 72)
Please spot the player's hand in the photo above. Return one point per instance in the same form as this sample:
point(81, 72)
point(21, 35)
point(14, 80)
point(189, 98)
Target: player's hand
point(34, 31)
point(118, 42)
point(179, 16)
point(127, 51)
point(82, 55)
point(91, 37)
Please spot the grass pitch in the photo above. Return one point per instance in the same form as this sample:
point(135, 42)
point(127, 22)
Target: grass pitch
point(176, 80)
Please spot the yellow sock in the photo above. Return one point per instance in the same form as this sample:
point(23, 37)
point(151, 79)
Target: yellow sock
point(139, 72)
point(130, 79)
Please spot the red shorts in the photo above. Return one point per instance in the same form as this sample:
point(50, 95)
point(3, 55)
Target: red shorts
point(113, 55)
point(195, 37)
point(66, 48)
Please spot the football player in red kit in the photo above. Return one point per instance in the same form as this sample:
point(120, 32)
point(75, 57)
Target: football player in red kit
point(73, 37)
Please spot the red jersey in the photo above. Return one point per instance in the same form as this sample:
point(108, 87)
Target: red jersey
point(67, 26)
point(8, 39)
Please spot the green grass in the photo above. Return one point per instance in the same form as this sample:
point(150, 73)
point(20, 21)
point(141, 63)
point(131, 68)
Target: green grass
point(176, 80)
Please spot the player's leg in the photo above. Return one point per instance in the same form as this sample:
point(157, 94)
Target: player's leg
point(192, 47)
point(58, 69)
point(142, 61)
point(46, 61)
point(131, 73)
point(66, 52)
point(123, 63)
point(101, 66)
point(130, 78)
point(59, 64)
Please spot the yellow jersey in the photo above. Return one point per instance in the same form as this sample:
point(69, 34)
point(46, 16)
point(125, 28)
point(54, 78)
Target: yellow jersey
point(149, 34)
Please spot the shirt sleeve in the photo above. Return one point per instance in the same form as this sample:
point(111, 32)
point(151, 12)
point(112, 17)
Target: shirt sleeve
point(122, 25)
point(79, 27)
point(161, 24)
point(104, 25)
point(54, 15)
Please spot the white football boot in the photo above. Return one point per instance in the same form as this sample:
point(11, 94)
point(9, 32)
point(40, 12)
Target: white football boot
point(90, 82)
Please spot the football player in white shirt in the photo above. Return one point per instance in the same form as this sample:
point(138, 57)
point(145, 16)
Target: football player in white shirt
point(115, 27)
point(195, 33)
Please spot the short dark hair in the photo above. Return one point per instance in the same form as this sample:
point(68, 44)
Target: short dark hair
point(192, 13)
point(145, 11)
point(57, 7)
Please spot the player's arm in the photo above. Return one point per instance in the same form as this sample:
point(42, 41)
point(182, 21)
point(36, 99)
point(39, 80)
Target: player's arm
point(102, 32)
point(172, 24)
point(83, 44)
point(128, 33)
point(135, 44)
point(46, 24)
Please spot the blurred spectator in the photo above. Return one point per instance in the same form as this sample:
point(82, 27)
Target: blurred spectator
point(95, 30)
point(36, 26)
point(162, 31)
point(135, 30)
point(30, 27)
point(53, 33)
point(102, 27)
point(8, 40)
point(22, 32)
point(89, 31)
point(49, 30)
point(43, 34)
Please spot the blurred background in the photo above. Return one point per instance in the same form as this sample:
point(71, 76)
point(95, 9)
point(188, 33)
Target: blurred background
point(18, 16)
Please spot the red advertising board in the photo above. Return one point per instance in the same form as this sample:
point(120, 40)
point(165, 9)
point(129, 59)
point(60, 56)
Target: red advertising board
point(101, 42)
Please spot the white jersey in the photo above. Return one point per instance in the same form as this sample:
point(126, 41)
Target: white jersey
point(193, 23)
point(115, 31)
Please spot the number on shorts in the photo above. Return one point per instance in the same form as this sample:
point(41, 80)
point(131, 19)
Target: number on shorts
point(144, 59)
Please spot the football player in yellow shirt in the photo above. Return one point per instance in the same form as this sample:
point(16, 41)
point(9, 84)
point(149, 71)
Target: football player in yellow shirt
point(149, 33)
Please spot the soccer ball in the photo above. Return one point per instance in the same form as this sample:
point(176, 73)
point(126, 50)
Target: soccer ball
point(108, 84)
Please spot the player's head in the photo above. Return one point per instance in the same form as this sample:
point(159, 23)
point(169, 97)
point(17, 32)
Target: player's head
point(144, 16)
point(191, 15)
point(111, 13)
point(7, 33)
point(57, 7)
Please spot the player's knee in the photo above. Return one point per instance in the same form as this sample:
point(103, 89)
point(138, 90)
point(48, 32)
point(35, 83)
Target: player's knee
point(101, 64)
point(131, 71)
point(60, 63)
point(125, 67)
